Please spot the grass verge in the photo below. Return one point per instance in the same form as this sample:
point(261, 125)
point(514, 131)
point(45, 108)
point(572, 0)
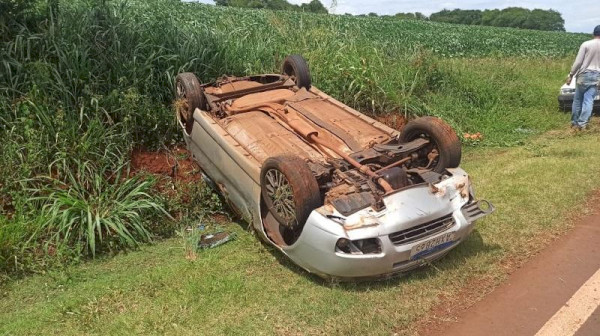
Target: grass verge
point(244, 287)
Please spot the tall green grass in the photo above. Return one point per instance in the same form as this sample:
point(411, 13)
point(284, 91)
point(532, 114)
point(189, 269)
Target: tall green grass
point(66, 189)
point(95, 208)
point(84, 82)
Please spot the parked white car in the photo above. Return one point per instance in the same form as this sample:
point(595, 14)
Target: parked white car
point(566, 94)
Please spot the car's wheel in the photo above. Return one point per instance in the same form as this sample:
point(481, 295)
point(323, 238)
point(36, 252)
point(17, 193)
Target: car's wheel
point(296, 67)
point(443, 141)
point(190, 96)
point(290, 192)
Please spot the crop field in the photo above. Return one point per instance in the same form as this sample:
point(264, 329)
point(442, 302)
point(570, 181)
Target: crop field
point(85, 83)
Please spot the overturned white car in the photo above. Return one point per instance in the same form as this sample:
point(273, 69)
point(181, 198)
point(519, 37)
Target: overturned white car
point(339, 193)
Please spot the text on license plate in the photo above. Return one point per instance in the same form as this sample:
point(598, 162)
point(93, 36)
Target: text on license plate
point(431, 245)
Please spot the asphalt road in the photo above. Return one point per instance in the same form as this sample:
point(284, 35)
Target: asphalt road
point(555, 293)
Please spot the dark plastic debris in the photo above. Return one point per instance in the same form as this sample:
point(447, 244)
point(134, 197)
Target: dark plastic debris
point(215, 239)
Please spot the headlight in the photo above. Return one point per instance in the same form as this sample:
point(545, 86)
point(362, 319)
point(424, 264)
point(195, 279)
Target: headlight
point(567, 91)
point(359, 246)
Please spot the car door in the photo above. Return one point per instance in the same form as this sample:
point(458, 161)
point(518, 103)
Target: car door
point(224, 161)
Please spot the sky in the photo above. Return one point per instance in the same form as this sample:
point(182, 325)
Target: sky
point(580, 15)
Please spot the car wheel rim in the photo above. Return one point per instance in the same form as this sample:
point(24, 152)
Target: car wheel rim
point(180, 90)
point(289, 70)
point(183, 108)
point(280, 193)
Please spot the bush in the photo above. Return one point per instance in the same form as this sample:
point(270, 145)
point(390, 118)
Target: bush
point(95, 209)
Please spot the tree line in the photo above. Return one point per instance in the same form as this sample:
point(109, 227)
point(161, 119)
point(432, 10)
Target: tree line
point(315, 6)
point(515, 17)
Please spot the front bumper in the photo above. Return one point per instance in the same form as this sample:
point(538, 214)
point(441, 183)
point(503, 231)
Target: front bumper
point(315, 250)
point(565, 102)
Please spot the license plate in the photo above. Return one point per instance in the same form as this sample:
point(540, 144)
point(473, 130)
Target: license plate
point(431, 245)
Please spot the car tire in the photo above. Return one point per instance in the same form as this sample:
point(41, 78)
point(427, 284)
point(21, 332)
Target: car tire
point(295, 66)
point(290, 192)
point(441, 136)
point(190, 95)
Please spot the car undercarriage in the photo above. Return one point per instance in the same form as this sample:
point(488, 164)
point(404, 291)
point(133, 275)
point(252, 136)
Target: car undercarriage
point(308, 153)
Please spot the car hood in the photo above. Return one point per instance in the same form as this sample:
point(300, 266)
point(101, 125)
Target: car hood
point(569, 86)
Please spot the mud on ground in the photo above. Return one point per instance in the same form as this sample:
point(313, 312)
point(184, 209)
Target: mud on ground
point(395, 120)
point(169, 166)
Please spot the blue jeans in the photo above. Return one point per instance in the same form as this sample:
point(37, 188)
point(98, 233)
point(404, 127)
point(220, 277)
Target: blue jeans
point(583, 101)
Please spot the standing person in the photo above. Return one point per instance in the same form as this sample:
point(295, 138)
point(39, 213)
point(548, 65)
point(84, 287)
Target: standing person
point(587, 70)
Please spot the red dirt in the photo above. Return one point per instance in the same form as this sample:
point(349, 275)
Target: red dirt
point(475, 136)
point(174, 164)
point(394, 120)
point(176, 173)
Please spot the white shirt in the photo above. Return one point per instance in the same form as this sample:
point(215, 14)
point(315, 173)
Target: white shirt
point(588, 57)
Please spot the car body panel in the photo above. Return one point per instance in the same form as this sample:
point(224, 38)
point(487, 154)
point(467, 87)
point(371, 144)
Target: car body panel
point(405, 209)
point(233, 170)
point(264, 137)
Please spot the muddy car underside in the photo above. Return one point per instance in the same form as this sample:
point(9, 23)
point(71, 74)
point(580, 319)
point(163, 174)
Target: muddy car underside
point(307, 151)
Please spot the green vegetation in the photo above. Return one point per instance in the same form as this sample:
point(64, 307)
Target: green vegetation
point(314, 6)
point(515, 17)
point(95, 211)
point(413, 16)
point(84, 82)
point(246, 288)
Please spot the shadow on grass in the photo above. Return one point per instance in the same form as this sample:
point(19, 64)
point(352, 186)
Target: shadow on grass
point(472, 246)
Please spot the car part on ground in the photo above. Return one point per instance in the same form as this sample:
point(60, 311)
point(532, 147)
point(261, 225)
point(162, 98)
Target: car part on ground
point(212, 240)
point(330, 187)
